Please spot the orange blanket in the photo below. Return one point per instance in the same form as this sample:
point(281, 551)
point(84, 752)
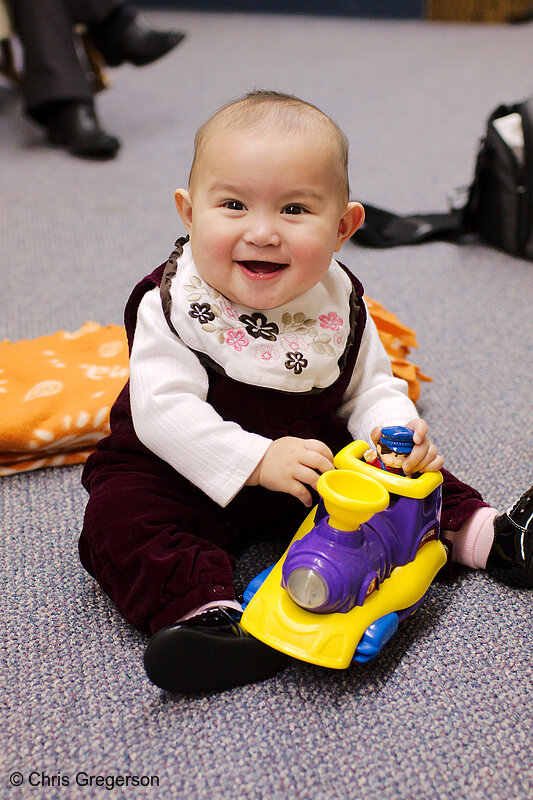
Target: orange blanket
point(56, 391)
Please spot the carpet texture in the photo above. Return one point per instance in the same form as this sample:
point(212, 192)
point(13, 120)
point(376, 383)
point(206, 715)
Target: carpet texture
point(445, 710)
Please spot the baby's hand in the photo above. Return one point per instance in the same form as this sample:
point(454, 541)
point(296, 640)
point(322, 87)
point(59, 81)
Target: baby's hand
point(423, 457)
point(290, 464)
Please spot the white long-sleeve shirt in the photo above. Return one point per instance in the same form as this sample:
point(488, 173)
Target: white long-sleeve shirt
point(169, 385)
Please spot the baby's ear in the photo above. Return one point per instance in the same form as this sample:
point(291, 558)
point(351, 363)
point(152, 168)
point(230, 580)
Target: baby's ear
point(352, 218)
point(184, 206)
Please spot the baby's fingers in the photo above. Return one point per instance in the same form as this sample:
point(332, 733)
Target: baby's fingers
point(375, 435)
point(432, 465)
point(303, 477)
point(316, 446)
point(419, 428)
point(423, 458)
point(316, 464)
point(317, 455)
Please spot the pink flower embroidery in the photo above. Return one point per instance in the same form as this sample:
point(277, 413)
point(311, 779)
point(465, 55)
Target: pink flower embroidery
point(331, 321)
point(236, 339)
point(228, 309)
point(292, 342)
point(267, 355)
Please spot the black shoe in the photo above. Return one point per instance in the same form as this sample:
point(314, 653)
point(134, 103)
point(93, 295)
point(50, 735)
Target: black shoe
point(73, 124)
point(135, 42)
point(209, 652)
point(512, 550)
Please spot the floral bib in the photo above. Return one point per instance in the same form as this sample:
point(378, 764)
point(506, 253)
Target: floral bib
point(297, 347)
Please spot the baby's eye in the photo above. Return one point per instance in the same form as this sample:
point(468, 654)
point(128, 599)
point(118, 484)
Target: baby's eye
point(294, 208)
point(233, 205)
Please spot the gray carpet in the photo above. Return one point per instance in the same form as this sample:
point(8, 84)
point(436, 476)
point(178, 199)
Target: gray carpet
point(445, 711)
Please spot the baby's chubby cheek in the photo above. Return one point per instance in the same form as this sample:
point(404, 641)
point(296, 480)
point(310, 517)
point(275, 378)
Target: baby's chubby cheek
point(210, 255)
point(312, 252)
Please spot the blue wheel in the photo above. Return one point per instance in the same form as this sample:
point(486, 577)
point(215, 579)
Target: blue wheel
point(256, 584)
point(376, 637)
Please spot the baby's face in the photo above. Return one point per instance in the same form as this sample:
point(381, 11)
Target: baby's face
point(265, 214)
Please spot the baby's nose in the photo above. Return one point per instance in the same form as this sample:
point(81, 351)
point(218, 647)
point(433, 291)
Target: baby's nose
point(262, 232)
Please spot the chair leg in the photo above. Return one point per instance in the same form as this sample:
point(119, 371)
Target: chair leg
point(100, 78)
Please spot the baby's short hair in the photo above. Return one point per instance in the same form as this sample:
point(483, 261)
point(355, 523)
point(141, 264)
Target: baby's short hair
point(286, 111)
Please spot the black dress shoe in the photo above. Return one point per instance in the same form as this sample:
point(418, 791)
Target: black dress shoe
point(209, 652)
point(74, 125)
point(136, 42)
point(511, 554)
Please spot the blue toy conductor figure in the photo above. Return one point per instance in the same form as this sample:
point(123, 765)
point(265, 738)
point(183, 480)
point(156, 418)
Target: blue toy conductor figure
point(395, 444)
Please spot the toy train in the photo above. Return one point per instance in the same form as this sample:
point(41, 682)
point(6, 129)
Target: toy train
point(361, 562)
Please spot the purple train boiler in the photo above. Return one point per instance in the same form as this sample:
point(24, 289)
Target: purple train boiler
point(334, 569)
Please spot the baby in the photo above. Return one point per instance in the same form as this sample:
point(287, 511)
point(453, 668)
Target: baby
point(252, 361)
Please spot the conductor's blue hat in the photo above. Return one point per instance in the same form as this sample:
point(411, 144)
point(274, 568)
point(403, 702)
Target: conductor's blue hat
point(397, 438)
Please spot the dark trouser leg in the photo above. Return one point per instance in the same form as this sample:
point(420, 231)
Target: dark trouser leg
point(459, 502)
point(93, 12)
point(52, 70)
point(469, 535)
point(155, 549)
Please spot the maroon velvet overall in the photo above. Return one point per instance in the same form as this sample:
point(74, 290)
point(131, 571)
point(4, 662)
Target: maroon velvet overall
point(156, 544)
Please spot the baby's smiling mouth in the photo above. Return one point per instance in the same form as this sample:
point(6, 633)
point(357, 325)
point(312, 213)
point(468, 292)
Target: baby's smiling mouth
point(262, 267)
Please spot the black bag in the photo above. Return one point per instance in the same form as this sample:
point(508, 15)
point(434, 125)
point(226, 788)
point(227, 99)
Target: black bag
point(499, 202)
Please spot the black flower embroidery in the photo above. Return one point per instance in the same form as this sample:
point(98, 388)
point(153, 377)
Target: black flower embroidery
point(258, 326)
point(202, 312)
point(296, 362)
